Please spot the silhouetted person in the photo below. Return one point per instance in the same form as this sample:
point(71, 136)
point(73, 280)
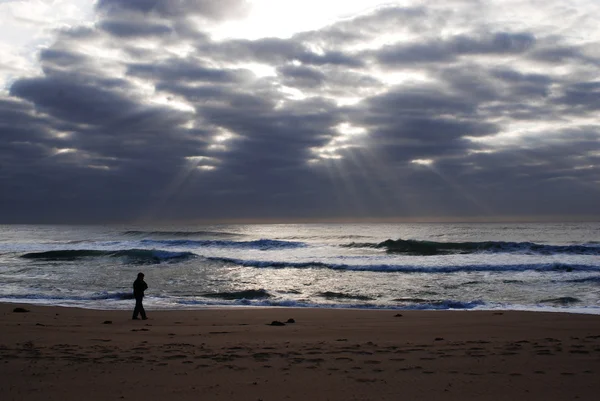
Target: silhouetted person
point(139, 286)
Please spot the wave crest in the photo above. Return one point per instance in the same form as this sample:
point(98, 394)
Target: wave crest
point(428, 248)
point(405, 268)
point(262, 244)
point(136, 256)
point(560, 301)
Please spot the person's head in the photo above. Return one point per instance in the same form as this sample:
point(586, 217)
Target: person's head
point(141, 276)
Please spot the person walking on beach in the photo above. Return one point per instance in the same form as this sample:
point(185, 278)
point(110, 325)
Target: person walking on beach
point(139, 286)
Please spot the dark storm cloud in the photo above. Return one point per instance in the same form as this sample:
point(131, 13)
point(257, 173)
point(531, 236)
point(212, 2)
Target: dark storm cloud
point(267, 50)
point(276, 50)
point(424, 122)
point(487, 85)
point(272, 139)
point(218, 10)
point(540, 164)
point(301, 76)
point(75, 101)
point(504, 182)
point(581, 97)
point(190, 70)
point(556, 54)
point(61, 58)
point(154, 131)
point(332, 58)
point(500, 43)
point(551, 53)
point(524, 80)
point(128, 28)
point(426, 100)
point(16, 119)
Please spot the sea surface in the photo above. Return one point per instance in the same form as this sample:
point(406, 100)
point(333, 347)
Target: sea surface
point(550, 267)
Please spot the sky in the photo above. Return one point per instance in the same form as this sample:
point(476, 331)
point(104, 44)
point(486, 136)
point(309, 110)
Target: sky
point(281, 111)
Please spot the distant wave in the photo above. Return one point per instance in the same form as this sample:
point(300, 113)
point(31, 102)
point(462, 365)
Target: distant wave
point(136, 256)
point(113, 295)
point(560, 301)
point(406, 269)
point(262, 244)
point(465, 284)
point(245, 294)
point(119, 296)
point(326, 237)
point(343, 295)
point(426, 248)
point(592, 279)
point(217, 234)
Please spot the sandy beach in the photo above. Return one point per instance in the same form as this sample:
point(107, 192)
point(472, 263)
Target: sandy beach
point(54, 353)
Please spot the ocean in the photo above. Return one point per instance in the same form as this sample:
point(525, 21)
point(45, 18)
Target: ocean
point(549, 267)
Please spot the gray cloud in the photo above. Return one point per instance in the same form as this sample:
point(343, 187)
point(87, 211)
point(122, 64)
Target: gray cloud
point(367, 27)
point(476, 124)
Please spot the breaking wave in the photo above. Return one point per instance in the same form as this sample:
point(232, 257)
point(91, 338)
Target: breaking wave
point(433, 305)
point(560, 301)
point(342, 295)
point(406, 268)
point(417, 303)
point(426, 248)
point(136, 256)
point(593, 279)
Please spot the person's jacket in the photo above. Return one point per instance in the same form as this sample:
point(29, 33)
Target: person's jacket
point(139, 286)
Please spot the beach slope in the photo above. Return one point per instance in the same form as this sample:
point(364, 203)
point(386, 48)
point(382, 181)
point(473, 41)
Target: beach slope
point(53, 353)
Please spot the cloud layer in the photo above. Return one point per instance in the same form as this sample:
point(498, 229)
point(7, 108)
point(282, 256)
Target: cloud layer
point(417, 112)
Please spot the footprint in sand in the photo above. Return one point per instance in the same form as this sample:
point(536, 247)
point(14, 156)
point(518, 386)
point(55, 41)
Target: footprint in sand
point(365, 380)
point(180, 356)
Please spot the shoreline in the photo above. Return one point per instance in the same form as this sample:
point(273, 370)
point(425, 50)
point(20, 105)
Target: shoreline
point(586, 310)
point(69, 353)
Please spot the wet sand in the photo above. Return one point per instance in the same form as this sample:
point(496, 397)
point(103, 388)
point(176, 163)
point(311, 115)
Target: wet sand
point(53, 353)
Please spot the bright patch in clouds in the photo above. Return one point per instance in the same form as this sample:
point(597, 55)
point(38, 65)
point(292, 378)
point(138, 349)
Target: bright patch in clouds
point(276, 18)
point(422, 162)
point(345, 134)
point(28, 26)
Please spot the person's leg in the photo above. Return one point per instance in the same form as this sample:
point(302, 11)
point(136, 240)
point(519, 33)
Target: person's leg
point(142, 311)
point(138, 308)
